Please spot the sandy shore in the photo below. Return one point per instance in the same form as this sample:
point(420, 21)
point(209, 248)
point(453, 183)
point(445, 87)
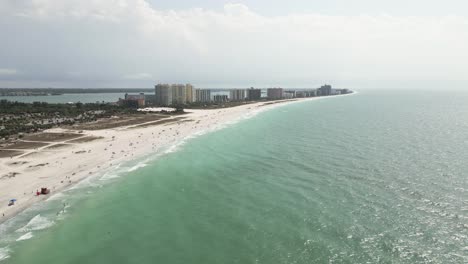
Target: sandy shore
point(59, 165)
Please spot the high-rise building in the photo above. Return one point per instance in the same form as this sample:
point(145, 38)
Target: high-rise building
point(166, 94)
point(274, 93)
point(289, 94)
point(163, 94)
point(220, 98)
point(311, 93)
point(189, 93)
point(254, 94)
point(324, 90)
point(178, 94)
point(203, 95)
point(237, 95)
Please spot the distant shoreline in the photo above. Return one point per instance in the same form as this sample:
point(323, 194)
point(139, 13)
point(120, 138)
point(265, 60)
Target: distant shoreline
point(54, 91)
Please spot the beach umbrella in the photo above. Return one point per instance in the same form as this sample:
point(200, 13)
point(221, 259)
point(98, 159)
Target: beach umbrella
point(13, 200)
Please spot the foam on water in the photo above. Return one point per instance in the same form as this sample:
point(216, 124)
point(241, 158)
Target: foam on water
point(109, 176)
point(175, 147)
point(4, 253)
point(26, 236)
point(138, 166)
point(57, 196)
point(37, 223)
point(86, 183)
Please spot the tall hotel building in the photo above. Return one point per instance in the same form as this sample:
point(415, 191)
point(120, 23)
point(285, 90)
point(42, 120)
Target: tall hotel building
point(203, 95)
point(179, 95)
point(163, 94)
point(254, 94)
point(237, 95)
point(189, 93)
point(274, 93)
point(166, 94)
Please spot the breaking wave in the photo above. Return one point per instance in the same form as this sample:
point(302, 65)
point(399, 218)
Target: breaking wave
point(36, 223)
point(25, 236)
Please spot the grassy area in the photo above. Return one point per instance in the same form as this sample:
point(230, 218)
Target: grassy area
point(18, 118)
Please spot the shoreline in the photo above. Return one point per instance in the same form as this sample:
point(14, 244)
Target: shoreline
point(64, 168)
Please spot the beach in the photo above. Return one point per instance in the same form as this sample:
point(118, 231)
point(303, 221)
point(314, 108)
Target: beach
point(62, 162)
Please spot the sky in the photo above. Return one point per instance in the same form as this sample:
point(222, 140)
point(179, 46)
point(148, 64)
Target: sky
point(216, 44)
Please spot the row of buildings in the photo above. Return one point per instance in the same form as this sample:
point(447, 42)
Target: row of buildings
point(183, 94)
point(179, 94)
point(325, 90)
point(173, 94)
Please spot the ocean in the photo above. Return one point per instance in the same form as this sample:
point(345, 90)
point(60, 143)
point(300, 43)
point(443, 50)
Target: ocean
point(375, 177)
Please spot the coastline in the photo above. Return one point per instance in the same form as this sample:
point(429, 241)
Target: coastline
point(61, 169)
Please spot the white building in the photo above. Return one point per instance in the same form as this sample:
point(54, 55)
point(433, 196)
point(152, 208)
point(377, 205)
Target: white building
point(237, 95)
point(203, 95)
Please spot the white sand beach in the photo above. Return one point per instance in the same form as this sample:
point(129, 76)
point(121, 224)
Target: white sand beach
point(59, 165)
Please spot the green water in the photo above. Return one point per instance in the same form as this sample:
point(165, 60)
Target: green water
point(376, 177)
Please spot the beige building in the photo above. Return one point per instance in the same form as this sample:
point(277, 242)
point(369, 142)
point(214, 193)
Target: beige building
point(189, 93)
point(170, 94)
point(178, 94)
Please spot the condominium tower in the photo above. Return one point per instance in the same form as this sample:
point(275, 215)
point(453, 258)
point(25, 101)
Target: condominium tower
point(274, 93)
point(203, 95)
point(163, 94)
point(179, 95)
point(254, 94)
point(170, 94)
point(237, 95)
point(189, 93)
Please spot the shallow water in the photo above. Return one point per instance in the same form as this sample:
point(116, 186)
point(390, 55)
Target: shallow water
point(377, 177)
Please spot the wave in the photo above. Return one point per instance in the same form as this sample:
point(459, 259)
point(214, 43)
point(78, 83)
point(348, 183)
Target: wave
point(57, 196)
point(109, 176)
point(36, 223)
point(138, 166)
point(85, 183)
point(26, 236)
point(4, 253)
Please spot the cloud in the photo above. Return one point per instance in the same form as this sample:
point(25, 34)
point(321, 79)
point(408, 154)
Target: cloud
point(4, 71)
point(138, 76)
point(236, 46)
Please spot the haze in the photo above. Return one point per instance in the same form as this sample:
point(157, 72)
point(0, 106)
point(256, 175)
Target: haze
point(137, 43)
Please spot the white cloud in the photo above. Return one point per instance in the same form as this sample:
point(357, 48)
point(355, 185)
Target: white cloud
point(4, 71)
point(236, 46)
point(138, 76)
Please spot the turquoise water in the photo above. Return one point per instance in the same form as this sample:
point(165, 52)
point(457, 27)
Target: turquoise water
point(376, 177)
